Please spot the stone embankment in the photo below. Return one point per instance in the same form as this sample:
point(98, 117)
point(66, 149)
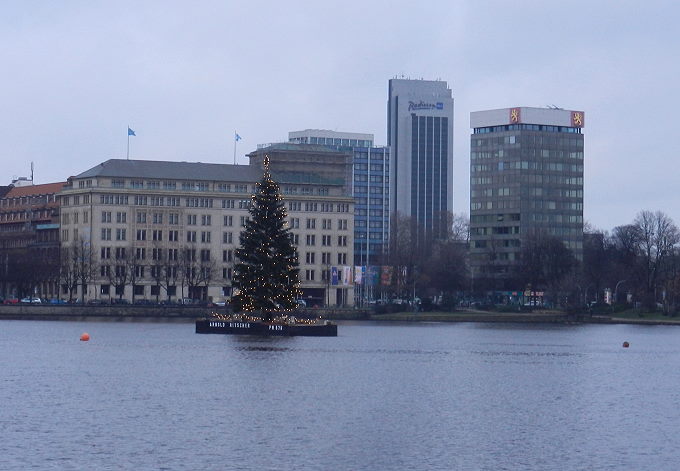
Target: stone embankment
point(178, 313)
point(79, 312)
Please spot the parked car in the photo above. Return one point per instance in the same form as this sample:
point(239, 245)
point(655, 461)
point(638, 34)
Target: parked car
point(120, 301)
point(11, 301)
point(97, 301)
point(57, 301)
point(31, 301)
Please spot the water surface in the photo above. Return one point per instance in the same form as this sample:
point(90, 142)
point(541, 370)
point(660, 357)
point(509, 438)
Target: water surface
point(380, 396)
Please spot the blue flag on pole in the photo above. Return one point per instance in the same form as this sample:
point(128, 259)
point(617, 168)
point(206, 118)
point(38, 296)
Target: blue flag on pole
point(237, 137)
point(131, 132)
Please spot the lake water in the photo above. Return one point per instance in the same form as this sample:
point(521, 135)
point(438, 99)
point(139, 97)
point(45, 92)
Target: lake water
point(378, 397)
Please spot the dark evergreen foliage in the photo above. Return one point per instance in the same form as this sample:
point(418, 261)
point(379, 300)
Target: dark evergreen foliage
point(266, 274)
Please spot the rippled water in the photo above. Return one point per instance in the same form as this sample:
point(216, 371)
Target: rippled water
point(378, 397)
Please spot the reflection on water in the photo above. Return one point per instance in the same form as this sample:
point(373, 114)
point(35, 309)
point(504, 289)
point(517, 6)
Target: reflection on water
point(377, 397)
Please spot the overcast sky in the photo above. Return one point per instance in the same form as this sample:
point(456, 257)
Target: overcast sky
point(186, 75)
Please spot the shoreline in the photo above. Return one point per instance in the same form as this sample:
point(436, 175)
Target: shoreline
point(188, 314)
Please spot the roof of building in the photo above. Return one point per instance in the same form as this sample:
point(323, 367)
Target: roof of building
point(158, 169)
point(330, 133)
point(295, 147)
point(527, 115)
point(44, 189)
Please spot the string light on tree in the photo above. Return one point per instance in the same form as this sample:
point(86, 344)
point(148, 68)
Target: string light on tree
point(266, 274)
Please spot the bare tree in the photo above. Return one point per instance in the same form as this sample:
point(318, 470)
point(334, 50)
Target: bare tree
point(118, 270)
point(85, 264)
point(68, 272)
point(544, 262)
point(657, 236)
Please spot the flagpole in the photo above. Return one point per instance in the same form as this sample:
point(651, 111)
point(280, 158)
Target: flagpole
point(128, 144)
point(235, 147)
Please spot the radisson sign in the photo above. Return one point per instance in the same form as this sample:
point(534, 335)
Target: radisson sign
point(421, 105)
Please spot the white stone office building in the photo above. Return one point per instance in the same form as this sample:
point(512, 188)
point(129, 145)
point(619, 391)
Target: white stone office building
point(160, 230)
point(420, 135)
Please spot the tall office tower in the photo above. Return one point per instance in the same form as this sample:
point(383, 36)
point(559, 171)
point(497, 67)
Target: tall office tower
point(526, 179)
point(370, 188)
point(420, 135)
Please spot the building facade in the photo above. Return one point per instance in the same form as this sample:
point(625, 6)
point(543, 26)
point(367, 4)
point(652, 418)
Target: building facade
point(370, 188)
point(160, 230)
point(420, 136)
point(526, 178)
point(29, 240)
point(331, 138)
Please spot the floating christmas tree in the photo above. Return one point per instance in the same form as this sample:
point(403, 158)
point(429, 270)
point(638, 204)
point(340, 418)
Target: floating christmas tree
point(266, 274)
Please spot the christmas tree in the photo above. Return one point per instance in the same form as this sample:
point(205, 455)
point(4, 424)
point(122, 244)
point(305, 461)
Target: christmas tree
point(266, 274)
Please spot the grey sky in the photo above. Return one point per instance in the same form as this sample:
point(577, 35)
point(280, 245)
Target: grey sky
point(186, 75)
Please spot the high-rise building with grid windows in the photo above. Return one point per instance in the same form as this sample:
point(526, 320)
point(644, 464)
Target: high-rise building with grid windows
point(420, 136)
point(526, 178)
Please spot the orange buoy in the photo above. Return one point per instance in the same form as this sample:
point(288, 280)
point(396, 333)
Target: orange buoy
point(626, 345)
point(84, 337)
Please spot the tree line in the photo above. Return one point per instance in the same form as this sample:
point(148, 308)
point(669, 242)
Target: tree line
point(71, 268)
point(639, 261)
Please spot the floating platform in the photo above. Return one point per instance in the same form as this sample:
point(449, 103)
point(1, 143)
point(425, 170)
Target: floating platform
point(280, 327)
